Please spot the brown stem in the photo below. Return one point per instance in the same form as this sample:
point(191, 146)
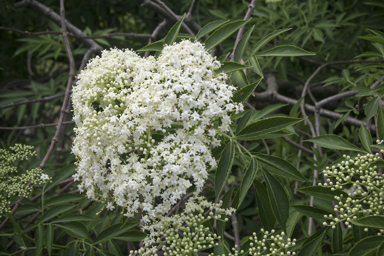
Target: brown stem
point(167, 13)
point(34, 126)
point(27, 33)
point(155, 32)
point(251, 7)
point(14, 209)
point(32, 101)
point(50, 14)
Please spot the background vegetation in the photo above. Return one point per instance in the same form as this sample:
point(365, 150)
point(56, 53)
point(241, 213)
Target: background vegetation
point(333, 82)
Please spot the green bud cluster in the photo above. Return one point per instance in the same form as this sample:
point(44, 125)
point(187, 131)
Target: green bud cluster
point(15, 183)
point(185, 233)
point(360, 179)
point(269, 244)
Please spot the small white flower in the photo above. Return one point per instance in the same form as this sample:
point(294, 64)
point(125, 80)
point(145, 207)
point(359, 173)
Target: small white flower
point(110, 206)
point(44, 177)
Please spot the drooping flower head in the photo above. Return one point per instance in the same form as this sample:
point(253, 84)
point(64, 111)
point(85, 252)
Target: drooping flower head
point(145, 126)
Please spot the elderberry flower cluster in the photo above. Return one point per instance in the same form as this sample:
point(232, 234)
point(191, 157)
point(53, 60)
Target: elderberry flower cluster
point(145, 126)
point(14, 182)
point(360, 179)
point(269, 244)
point(185, 233)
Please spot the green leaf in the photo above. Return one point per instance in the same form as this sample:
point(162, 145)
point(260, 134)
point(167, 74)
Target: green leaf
point(113, 231)
point(63, 199)
point(369, 54)
point(365, 138)
point(285, 51)
point(295, 110)
point(172, 34)
point(224, 168)
point(376, 32)
point(312, 243)
point(49, 234)
point(219, 250)
point(223, 33)
point(267, 217)
point(77, 217)
point(132, 236)
point(229, 66)
point(39, 238)
point(76, 229)
point(380, 251)
point(102, 41)
point(61, 175)
point(104, 253)
point(370, 222)
point(370, 66)
point(334, 142)
point(54, 211)
point(265, 111)
point(247, 181)
point(283, 165)
point(372, 107)
point(373, 38)
point(294, 217)
point(318, 35)
point(279, 199)
point(379, 146)
point(26, 209)
point(366, 246)
point(156, 47)
point(244, 93)
point(244, 120)
point(266, 39)
point(73, 249)
point(255, 65)
point(266, 126)
point(310, 211)
point(322, 192)
point(3, 251)
point(210, 27)
point(380, 120)
point(332, 80)
point(114, 248)
point(239, 51)
point(337, 239)
point(239, 78)
point(20, 111)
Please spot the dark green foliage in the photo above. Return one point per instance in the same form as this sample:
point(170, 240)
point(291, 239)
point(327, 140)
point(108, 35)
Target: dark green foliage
point(327, 47)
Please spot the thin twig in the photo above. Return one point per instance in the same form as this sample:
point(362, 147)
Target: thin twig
point(306, 85)
point(69, 86)
point(251, 7)
point(155, 32)
point(194, 6)
point(34, 126)
point(15, 207)
point(167, 13)
point(64, 188)
point(345, 94)
point(323, 112)
point(299, 146)
point(50, 14)
point(33, 101)
point(27, 33)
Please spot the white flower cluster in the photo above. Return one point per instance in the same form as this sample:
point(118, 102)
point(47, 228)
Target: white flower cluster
point(359, 177)
point(184, 233)
point(145, 126)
